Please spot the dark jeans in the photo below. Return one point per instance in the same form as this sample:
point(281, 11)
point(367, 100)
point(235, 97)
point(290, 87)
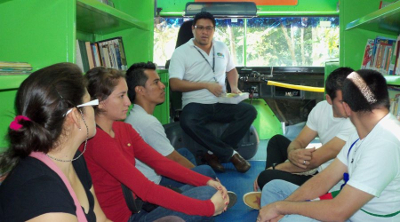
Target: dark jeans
point(277, 153)
point(240, 116)
point(205, 170)
point(200, 193)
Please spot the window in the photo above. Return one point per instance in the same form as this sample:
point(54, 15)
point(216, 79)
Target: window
point(274, 41)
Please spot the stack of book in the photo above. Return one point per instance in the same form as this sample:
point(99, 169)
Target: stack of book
point(15, 68)
point(109, 53)
point(382, 54)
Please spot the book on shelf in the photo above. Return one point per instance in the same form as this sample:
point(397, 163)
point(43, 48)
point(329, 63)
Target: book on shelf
point(380, 55)
point(233, 98)
point(394, 106)
point(383, 4)
point(395, 62)
point(15, 68)
point(90, 55)
point(368, 55)
point(108, 53)
point(113, 54)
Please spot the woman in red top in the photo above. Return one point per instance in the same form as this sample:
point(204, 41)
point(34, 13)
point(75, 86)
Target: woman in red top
point(111, 157)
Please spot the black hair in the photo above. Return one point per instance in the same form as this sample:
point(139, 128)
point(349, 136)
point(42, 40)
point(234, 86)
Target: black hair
point(335, 80)
point(44, 97)
point(204, 15)
point(101, 83)
point(135, 76)
point(375, 83)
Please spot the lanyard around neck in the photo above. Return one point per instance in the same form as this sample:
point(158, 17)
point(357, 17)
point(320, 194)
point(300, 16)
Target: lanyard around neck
point(213, 65)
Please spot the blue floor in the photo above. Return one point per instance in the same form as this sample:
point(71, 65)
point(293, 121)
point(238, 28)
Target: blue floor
point(241, 183)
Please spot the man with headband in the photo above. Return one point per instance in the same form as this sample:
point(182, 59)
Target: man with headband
point(369, 163)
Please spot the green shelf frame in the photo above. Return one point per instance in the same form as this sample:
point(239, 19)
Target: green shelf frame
point(3, 1)
point(392, 80)
point(385, 20)
point(8, 82)
point(90, 12)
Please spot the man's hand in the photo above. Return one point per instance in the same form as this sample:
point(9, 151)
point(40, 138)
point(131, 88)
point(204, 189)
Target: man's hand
point(235, 90)
point(268, 212)
point(301, 157)
point(215, 89)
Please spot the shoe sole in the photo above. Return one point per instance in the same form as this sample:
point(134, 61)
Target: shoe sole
point(232, 199)
point(252, 200)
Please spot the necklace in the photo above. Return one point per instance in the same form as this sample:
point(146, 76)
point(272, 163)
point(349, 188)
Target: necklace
point(84, 147)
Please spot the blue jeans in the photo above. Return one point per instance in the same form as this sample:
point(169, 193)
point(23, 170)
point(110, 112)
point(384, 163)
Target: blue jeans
point(205, 170)
point(187, 154)
point(240, 116)
point(200, 193)
point(278, 190)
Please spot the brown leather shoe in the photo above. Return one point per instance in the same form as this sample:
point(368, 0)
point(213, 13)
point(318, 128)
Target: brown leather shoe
point(214, 163)
point(240, 163)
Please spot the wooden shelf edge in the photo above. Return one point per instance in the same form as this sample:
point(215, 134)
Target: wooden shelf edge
point(388, 11)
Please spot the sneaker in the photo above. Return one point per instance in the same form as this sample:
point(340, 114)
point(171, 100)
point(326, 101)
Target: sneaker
point(232, 199)
point(253, 200)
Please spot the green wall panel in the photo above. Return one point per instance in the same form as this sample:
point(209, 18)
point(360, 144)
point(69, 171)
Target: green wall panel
point(43, 32)
point(266, 123)
point(37, 34)
point(353, 41)
point(7, 114)
point(141, 48)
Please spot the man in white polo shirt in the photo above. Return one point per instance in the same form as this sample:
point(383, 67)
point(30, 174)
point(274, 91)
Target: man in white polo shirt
point(369, 162)
point(199, 69)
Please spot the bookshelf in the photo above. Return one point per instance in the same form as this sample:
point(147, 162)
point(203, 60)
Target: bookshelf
point(89, 12)
point(362, 20)
point(383, 20)
point(44, 32)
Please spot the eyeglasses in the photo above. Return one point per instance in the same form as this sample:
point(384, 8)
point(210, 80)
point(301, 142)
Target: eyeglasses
point(94, 102)
point(201, 28)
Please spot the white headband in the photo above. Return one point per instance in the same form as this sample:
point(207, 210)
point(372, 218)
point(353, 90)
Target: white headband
point(362, 86)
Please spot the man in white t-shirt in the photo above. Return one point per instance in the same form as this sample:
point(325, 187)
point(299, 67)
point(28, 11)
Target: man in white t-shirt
point(327, 121)
point(199, 69)
point(369, 162)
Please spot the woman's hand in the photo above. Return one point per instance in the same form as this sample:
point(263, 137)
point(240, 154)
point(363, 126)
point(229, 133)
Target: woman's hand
point(219, 202)
point(220, 199)
point(217, 185)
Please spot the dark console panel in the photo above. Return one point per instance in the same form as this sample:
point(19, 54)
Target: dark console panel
point(289, 105)
point(253, 80)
